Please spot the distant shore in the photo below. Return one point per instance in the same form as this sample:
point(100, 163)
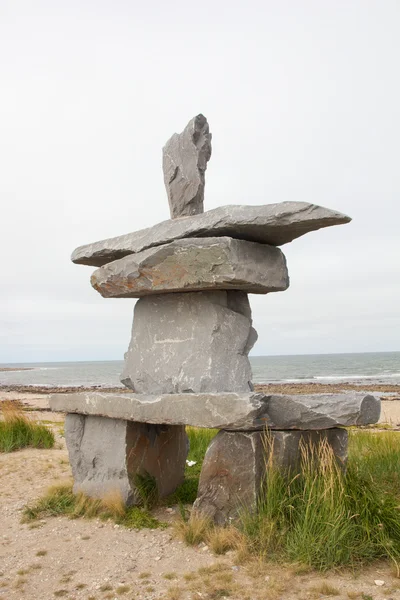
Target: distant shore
point(329, 388)
point(44, 389)
point(5, 369)
point(390, 391)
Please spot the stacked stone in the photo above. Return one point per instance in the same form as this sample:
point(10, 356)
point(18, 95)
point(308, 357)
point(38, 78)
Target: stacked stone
point(187, 361)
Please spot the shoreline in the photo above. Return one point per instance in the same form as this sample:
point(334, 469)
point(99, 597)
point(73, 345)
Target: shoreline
point(8, 369)
point(266, 388)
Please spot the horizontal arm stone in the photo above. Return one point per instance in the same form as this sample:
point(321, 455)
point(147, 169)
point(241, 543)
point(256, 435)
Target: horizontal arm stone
point(232, 411)
point(273, 224)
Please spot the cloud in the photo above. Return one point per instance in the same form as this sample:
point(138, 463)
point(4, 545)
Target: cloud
point(302, 102)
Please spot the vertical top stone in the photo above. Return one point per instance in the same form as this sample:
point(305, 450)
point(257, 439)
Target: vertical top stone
point(185, 158)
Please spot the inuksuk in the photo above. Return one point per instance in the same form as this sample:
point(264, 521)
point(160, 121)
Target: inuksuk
point(187, 362)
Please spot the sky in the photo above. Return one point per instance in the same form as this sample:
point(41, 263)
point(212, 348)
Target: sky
point(302, 98)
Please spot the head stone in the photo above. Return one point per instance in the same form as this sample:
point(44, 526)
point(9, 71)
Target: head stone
point(185, 158)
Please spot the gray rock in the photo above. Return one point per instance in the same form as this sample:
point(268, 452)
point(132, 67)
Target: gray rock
point(321, 411)
point(106, 455)
point(234, 467)
point(273, 224)
point(194, 264)
point(231, 476)
point(190, 342)
point(288, 446)
point(185, 158)
point(233, 411)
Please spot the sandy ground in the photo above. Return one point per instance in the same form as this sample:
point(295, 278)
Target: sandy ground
point(92, 560)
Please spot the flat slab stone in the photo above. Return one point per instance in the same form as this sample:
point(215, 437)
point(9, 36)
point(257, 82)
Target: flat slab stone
point(273, 224)
point(322, 411)
point(185, 158)
point(231, 411)
point(193, 342)
point(106, 455)
point(234, 467)
point(195, 264)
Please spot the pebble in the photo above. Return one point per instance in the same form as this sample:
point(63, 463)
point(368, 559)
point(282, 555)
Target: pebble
point(379, 582)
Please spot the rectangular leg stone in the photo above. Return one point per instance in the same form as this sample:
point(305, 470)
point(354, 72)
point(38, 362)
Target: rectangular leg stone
point(106, 454)
point(234, 466)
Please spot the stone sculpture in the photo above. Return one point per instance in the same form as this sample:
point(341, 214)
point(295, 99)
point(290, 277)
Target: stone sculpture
point(187, 362)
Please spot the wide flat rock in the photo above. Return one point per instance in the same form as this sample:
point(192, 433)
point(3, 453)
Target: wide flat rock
point(232, 411)
point(195, 264)
point(273, 224)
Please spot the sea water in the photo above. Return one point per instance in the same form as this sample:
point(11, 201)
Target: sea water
point(371, 367)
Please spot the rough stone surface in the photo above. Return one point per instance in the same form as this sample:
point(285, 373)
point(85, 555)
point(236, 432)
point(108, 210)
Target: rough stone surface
point(106, 454)
point(273, 224)
point(246, 411)
point(233, 470)
point(193, 342)
point(185, 158)
point(195, 264)
point(286, 445)
point(321, 411)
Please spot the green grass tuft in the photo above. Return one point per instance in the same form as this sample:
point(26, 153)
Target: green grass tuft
point(376, 456)
point(323, 517)
point(60, 500)
point(17, 431)
point(146, 486)
point(199, 440)
point(137, 518)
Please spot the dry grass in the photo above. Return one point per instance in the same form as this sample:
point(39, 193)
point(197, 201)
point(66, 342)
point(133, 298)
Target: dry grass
point(216, 581)
point(113, 502)
point(122, 589)
point(106, 587)
point(212, 569)
point(193, 531)
point(173, 593)
point(325, 589)
point(60, 500)
point(222, 539)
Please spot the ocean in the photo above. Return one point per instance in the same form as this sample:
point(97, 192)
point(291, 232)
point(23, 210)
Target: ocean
point(371, 367)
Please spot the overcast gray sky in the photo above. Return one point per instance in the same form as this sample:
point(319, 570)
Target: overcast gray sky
point(303, 102)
